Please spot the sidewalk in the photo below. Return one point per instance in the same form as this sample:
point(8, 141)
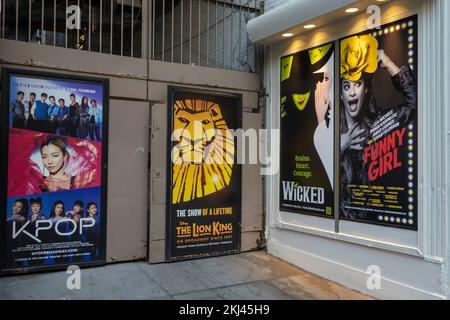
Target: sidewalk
point(248, 276)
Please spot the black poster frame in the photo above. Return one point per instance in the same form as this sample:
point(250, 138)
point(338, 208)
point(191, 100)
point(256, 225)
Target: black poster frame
point(171, 91)
point(416, 211)
point(335, 211)
point(4, 146)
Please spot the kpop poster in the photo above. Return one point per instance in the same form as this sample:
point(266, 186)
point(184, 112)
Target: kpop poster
point(54, 134)
point(307, 132)
point(378, 117)
point(204, 184)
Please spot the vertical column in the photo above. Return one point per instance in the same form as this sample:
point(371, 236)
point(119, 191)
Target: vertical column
point(445, 27)
point(433, 153)
point(158, 184)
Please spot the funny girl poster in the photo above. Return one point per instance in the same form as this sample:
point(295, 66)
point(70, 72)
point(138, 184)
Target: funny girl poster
point(378, 132)
point(54, 147)
point(307, 132)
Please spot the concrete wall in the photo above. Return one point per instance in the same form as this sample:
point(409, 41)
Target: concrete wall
point(271, 4)
point(135, 86)
point(127, 180)
point(251, 225)
point(413, 265)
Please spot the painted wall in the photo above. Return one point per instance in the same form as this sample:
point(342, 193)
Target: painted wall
point(413, 264)
point(135, 86)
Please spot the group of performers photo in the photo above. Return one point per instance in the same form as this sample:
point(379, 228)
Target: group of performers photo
point(51, 115)
point(54, 171)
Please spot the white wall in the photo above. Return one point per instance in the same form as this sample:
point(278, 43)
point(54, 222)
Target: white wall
point(414, 265)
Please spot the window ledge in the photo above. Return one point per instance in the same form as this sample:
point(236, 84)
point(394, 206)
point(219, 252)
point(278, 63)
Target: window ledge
point(371, 243)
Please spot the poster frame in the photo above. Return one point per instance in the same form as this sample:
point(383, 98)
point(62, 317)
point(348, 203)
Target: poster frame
point(4, 140)
point(416, 227)
point(170, 93)
point(335, 211)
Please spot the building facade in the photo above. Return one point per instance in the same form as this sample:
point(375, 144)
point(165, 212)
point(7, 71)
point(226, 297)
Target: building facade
point(360, 195)
point(364, 235)
point(143, 47)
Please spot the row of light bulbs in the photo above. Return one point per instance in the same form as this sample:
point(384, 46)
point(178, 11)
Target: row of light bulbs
point(312, 26)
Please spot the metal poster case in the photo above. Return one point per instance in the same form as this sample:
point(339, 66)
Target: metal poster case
point(204, 177)
point(307, 132)
point(54, 166)
point(379, 141)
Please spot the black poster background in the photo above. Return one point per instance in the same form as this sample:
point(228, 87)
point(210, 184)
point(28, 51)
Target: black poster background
point(297, 134)
point(52, 252)
point(399, 41)
point(230, 196)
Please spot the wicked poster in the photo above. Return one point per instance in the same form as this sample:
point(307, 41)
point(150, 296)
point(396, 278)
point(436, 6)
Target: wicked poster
point(53, 158)
point(307, 132)
point(378, 133)
point(204, 184)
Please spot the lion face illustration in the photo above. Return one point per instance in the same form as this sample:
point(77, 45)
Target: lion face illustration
point(203, 154)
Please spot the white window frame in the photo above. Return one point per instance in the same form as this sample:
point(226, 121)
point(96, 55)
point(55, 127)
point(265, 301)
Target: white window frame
point(430, 241)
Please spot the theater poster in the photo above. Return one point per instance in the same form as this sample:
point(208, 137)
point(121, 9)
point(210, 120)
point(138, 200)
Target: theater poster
point(307, 132)
point(54, 149)
point(378, 132)
point(204, 178)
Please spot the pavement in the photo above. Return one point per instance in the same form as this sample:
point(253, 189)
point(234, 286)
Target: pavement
point(247, 276)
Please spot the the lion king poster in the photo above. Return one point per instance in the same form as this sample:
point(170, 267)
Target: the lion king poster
point(204, 185)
